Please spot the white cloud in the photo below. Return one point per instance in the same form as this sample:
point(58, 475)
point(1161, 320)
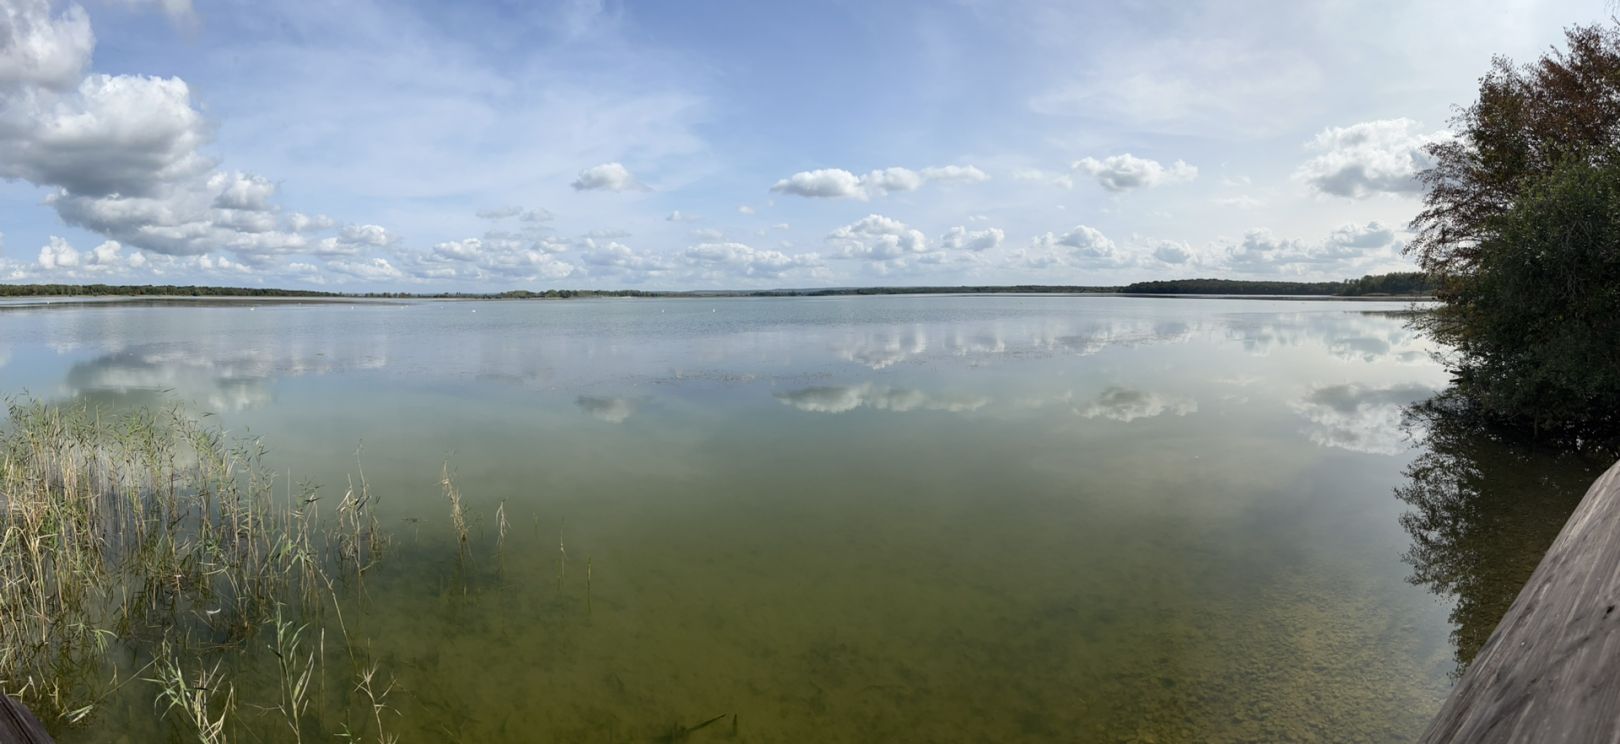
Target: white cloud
point(299, 222)
point(371, 235)
point(878, 238)
point(827, 183)
point(743, 260)
point(58, 254)
point(1086, 242)
point(241, 191)
point(617, 259)
point(494, 256)
point(679, 216)
point(351, 240)
point(1173, 252)
point(39, 50)
point(1370, 235)
point(744, 209)
point(1082, 246)
point(1126, 172)
point(837, 183)
point(1346, 248)
point(607, 177)
point(961, 238)
point(121, 154)
point(376, 269)
point(469, 249)
point(1369, 158)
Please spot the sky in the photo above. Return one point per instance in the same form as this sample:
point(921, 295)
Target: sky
point(487, 146)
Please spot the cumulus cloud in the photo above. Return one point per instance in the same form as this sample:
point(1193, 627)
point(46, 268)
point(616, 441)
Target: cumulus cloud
point(37, 49)
point(122, 155)
point(740, 259)
point(376, 269)
point(299, 222)
point(1360, 418)
point(1261, 252)
point(612, 258)
point(1129, 404)
point(607, 177)
point(1082, 246)
point(57, 255)
point(878, 238)
point(372, 235)
point(1374, 157)
point(1173, 252)
point(827, 183)
point(837, 183)
point(494, 256)
point(1370, 235)
point(1125, 172)
point(961, 238)
point(845, 398)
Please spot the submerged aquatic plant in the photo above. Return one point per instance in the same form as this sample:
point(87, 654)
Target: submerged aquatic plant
point(150, 548)
point(458, 517)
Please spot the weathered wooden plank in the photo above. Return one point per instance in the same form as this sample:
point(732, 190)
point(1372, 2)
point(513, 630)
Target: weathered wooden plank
point(1551, 670)
point(19, 726)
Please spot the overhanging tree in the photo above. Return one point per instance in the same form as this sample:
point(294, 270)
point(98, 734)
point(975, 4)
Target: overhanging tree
point(1521, 228)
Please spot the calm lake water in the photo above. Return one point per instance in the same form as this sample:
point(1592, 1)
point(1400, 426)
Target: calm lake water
point(869, 518)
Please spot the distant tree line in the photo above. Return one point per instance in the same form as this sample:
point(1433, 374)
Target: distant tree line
point(980, 289)
point(149, 290)
point(1406, 284)
point(1411, 283)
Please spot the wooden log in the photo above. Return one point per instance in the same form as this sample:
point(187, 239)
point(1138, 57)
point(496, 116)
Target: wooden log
point(1551, 670)
point(18, 725)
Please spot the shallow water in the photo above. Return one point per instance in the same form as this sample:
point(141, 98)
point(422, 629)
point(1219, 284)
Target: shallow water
point(867, 518)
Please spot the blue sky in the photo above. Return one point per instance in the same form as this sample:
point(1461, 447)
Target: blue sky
point(489, 146)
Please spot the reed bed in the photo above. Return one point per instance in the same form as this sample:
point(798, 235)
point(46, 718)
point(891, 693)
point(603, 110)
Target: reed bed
point(147, 548)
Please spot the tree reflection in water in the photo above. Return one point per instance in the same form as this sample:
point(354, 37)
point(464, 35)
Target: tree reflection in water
point(1484, 509)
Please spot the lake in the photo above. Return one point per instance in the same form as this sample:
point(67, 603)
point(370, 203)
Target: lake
point(940, 518)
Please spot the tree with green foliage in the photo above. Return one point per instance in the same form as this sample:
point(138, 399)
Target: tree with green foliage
point(1521, 229)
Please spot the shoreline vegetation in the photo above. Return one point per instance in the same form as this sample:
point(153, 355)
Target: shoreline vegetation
point(1403, 285)
point(147, 549)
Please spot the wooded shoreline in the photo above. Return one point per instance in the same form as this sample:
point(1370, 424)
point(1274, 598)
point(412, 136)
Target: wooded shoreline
point(1395, 286)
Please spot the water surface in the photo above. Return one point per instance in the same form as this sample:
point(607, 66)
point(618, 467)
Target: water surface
point(869, 518)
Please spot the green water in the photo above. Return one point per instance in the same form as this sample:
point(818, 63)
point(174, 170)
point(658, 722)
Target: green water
point(864, 519)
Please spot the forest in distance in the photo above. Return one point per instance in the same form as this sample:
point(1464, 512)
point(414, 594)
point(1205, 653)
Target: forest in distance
point(1398, 284)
